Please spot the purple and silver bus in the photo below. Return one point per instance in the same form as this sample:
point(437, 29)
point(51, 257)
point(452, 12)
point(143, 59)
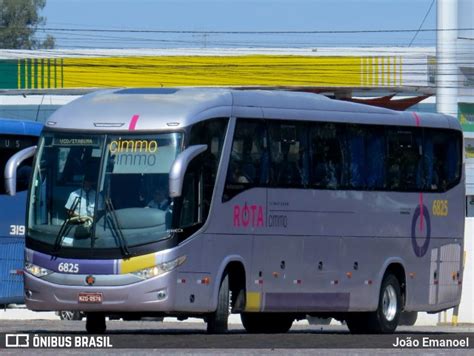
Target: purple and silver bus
point(271, 204)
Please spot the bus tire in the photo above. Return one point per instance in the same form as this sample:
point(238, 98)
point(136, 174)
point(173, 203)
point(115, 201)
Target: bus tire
point(385, 319)
point(217, 321)
point(266, 323)
point(95, 323)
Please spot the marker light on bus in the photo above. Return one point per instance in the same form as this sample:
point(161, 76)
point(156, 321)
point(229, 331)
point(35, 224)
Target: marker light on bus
point(160, 268)
point(36, 270)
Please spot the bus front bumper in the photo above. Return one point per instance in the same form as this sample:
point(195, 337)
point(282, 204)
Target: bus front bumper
point(154, 294)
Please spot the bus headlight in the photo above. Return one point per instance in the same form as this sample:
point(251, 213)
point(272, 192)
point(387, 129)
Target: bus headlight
point(36, 271)
point(160, 268)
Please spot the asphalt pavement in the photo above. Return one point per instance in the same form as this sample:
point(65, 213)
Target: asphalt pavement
point(46, 331)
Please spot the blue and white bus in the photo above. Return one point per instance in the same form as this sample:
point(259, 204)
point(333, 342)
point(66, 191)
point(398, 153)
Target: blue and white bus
point(15, 135)
point(270, 204)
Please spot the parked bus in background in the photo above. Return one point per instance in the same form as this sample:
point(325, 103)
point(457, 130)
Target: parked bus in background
point(15, 135)
point(271, 204)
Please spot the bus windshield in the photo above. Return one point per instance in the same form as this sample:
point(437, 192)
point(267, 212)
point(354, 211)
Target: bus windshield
point(102, 192)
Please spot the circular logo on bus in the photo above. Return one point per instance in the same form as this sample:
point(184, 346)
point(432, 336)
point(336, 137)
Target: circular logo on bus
point(420, 230)
point(90, 280)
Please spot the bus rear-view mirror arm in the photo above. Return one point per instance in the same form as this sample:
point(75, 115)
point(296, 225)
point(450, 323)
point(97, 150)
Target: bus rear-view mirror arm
point(179, 167)
point(12, 165)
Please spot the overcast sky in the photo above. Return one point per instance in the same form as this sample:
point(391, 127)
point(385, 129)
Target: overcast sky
point(239, 15)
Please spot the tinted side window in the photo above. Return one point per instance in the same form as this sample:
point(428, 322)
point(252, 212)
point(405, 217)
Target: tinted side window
point(210, 133)
point(249, 163)
point(404, 159)
point(322, 155)
point(363, 157)
point(375, 148)
point(355, 157)
point(189, 204)
point(442, 159)
point(326, 154)
point(289, 154)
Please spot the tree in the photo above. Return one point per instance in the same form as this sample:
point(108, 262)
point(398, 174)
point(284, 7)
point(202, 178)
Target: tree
point(19, 21)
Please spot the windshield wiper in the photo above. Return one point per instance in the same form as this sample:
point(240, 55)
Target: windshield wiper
point(65, 227)
point(115, 227)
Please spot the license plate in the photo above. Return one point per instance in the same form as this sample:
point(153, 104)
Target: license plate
point(90, 298)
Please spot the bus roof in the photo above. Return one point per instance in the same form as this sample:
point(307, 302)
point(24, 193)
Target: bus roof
point(146, 109)
point(19, 127)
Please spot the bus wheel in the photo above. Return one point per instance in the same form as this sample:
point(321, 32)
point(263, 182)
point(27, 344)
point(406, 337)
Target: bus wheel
point(266, 323)
point(385, 319)
point(95, 323)
point(217, 321)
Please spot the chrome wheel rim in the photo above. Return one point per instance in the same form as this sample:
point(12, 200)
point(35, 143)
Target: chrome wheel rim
point(389, 303)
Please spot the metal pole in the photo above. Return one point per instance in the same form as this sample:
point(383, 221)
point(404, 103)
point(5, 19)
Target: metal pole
point(447, 69)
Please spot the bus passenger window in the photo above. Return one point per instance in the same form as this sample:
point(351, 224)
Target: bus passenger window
point(376, 156)
point(363, 157)
point(404, 170)
point(190, 200)
point(326, 156)
point(211, 133)
point(289, 154)
point(442, 159)
point(354, 151)
point(249, 159)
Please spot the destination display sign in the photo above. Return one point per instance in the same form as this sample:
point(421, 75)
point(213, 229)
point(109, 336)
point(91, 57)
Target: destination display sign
point(76, 141)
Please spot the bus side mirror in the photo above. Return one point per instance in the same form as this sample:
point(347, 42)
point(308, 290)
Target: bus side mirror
point(179, 166)
point(12, 165)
